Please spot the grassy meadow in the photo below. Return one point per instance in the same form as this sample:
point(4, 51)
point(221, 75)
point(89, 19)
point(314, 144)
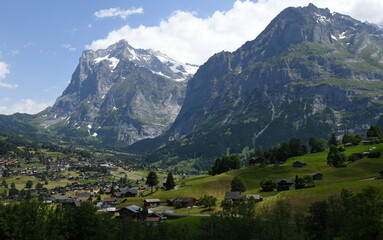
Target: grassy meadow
point(334, 180)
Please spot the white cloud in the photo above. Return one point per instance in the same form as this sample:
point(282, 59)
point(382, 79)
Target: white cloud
point(117, 12)
point(8, 85)
point(4, 71)
point(189, 38)
point(24, 106)
point(13, 52)
point(28, 44)
point(69, 47)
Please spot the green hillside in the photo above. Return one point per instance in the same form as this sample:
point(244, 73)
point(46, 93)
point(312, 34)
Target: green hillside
point(334, 180)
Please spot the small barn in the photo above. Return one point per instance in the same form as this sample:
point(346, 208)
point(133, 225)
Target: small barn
point(126, 192)
point(256, 161)
point(317, 176)
point(299, 164)
point(233, 195)
point(256, 197)
point(183, 201)
point(131, 211)
point(152, 202)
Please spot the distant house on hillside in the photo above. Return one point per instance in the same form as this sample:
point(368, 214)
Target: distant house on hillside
point(317, 176)
point(131, 211)
point(233, 195)
point(154, 218)
point(366, 142)
point(84, 196)
point(299, 164)
point(182, 201)
point(65, 199)
point(152, 202)
point(284, 184)
point(109, 201)
point(126, 192)
point(163, 182)
point(256, 197)
point(256, 161)
point(238, 195)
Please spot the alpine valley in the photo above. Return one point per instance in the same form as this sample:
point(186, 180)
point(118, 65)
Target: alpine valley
point(309, 73)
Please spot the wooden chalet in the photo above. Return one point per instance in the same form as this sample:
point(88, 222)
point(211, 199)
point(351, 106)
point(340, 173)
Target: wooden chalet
point(109, 201)
point(299, 164)
point(153, 220)
point(131, 211)
point(256, 161)
point(233, 195)
point(317, 176)
point(284, 184)
point(128, 192)
point(256, 197)
point(237, 195)
point(65, 199)
point(183, 201)
point(152, 202)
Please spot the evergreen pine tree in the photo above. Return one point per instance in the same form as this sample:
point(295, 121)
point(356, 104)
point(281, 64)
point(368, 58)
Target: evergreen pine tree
point(333, 140)
point(170, 184)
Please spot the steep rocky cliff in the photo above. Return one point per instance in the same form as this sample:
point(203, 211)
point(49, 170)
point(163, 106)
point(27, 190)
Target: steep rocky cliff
point(309, 73)
point(119, 94)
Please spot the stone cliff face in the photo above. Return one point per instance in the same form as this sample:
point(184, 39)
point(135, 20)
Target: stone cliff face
point(120, 94)
point(309, 73)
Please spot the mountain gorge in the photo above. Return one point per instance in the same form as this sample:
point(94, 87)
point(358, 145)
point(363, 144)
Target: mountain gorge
point(309, 73)
point(119, 94)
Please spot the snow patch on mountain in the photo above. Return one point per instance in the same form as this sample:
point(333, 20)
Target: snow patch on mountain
point(175, 66)
point(113, 61)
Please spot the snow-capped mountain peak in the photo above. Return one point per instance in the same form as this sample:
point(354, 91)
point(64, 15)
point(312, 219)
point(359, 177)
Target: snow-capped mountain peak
point(157, 62)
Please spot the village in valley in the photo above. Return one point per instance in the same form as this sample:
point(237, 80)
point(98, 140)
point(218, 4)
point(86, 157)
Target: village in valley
point(262, 186)
point(149, 195)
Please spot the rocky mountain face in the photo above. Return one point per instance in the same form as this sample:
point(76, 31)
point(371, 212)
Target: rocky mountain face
point(119, 94)
point(309, 73)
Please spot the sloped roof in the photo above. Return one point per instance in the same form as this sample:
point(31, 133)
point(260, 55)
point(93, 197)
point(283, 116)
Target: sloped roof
point(152, 219)
point(153, 200)
point(233, 195)
point(184, 199)
point(126, 190)
point(134, 208)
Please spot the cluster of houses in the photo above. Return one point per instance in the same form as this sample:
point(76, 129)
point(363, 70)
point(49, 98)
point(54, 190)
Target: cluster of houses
point(111, 205)
point(286, 183)
point(6, 164)
point(258, 161)
point(238, 195)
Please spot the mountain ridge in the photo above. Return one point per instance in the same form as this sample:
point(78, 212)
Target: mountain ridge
point(120, 94)
point(309, 73)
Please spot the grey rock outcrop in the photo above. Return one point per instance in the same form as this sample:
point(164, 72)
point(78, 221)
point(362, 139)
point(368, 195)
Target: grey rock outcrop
point(120, 94)
point(309, 73)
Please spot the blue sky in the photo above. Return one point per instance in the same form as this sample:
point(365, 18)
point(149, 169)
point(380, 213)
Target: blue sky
point(41, 41)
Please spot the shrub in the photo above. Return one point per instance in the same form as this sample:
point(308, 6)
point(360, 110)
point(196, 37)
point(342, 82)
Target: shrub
point(374, 154)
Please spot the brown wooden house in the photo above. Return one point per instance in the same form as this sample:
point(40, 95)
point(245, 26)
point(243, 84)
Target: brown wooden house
point(256, 161)
point(183, 201)
point(299, 164)
point(152, 202)
point(317, 176)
